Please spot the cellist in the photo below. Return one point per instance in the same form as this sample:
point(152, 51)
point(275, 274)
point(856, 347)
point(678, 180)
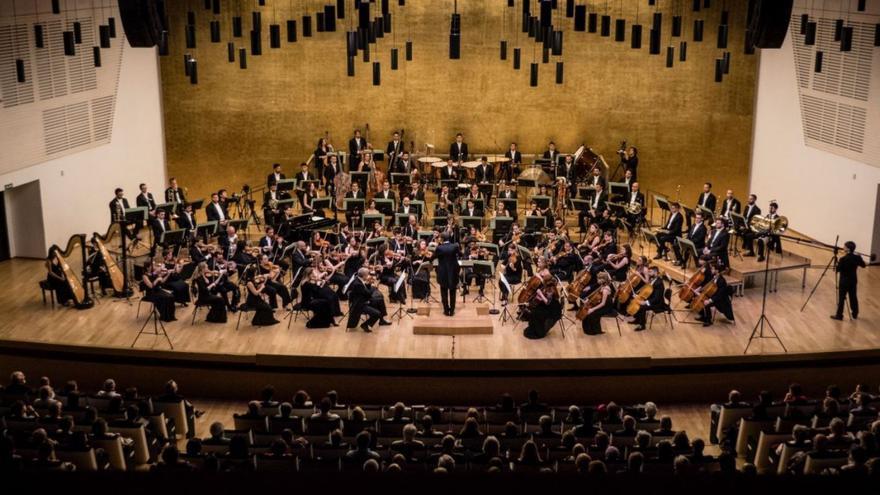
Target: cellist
point(592, 323)
point(656, 302)
point(720, 299)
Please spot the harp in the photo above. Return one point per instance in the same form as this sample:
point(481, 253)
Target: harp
point(72, 261)
point(112, 240)
point(116, 276)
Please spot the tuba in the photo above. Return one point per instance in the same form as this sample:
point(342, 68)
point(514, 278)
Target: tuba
point(775, 226)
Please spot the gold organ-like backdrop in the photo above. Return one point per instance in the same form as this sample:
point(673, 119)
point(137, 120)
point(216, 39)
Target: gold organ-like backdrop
point(229, 128)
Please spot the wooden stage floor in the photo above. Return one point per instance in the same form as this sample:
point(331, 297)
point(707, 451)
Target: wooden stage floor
point(112, 324)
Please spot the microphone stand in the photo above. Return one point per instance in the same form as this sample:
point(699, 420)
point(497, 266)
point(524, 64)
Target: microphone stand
point(758, 331)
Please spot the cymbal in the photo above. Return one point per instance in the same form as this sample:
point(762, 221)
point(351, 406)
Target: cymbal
point(438, 164)
point(430, 159)
point(470, 164)
point(497, 159)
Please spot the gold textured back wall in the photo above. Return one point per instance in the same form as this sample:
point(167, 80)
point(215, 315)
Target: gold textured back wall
point(228, 129)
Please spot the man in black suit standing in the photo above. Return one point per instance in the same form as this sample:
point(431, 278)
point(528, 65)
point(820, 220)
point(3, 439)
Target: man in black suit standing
point(175, 194)
point(187, 220)
point(359, 297)
point(146, 199)
point(656, 302)
point(510, 170)
point(355, 193)
point(673, 230)
point(751, 209)
point(394, 148)
point(160, 225)
point(447, 272)
point(275, 176)
point(551, 154)
point(697, 234)
point(847, 285)
point(485, 172)
point(356, 146)
point(458, 151)
point(118, 206)
point(707, 199)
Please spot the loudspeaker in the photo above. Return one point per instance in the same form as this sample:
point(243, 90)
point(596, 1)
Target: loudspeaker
point(636, 36)
point(580, 17)
point(769, 22)
point(143, 21)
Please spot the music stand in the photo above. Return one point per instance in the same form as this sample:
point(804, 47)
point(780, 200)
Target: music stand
point(650, 237)
point(505, 313)
point(401, 219)
point(361, 178)
point(304, 184)
point(321, 203)
point(401, 310)
point(618, 189)
point(386, 206)
point(486, 271)
point(535, 223)
point(169, 208)
point(240, 225)
point(487, 188)
point(526, 183)
point(707, 214)
point(197, 205)
point(173, 237)
point(580, 205)
point(157, 327)
point(688, 214)
point(492, 247)
point(398, 179)
point(510, 204)
point(543, 202)
point(586, 192)
point(452, 184)
point(440, 222)
point(419, 205)
point(758, 331)
point(375, 241)
point(284, 204)
point(206, 230)
point(685, 245)
point(469, 222)
point(369, 218)
point(285, 185)
point(353, 205)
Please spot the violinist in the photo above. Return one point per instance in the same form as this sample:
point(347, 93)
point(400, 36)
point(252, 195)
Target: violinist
point(421, 282)
point(228, 290)
point(174, 280)
point(500, 210)
point(398, 243)
point(320, 300)
point(617, 264)
point(591, 240)
point(391, 261)
point(362, 302)
point(512, 270)
point(656, 302)
point(154, 277)
point(257, 299)
point(565, 264)
point(378, 231)
point(545, 310)
point(271, 245)
point(331, 269)
point(301, 261)
point(411, 229)
point(721, 299)
point(601, 303)
point(606, 247)
point(207, 283)
point(475, 253)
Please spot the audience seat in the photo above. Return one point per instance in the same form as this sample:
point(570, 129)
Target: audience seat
point(139, 437)
point(113, 449)
point(175, 411)
point(816, 465)
point(84, 460)
point(767, 442)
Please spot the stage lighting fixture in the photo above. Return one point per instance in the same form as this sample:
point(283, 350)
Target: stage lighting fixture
point(682, 51)
point(386, 23)
point(533, 28)
point(605, 29)
point(517, 58)
point(698, 30)
point(592, 21)
point(377, 74)
point(569, 8)
point(319, 22)
point(242, 58)
point(810, 36)
point(190, 18)
point(307, 26)
point(291, 31)
point(236, 27)
point(719, 70)
point(194, 72)
point(256, 21)
point(657, 20)
point(330, 18)
point(722, 36)
point(96, 55)
point(350, 66)
point(230, 49)
point(545, 55)
point(186, 63)
point(670, 56)
point(503, 53)
point(726, 62)
point(533, 74)
point(190, 36)
point(725, 17)
point(384, 6)
point(455, 37)
point(580, 18)
point(69, 45)
point(696, 6)
point(707, 4)
point(556, 45)
point(546, 12)
point(340, 9)
point(861, 5)
point(817, 66)
point(215, 31)
point(77, 32)
point(620, 30)
point(749, 48)
point(876, 34)
point(559, 72)
point(409, 51)
point(636, 36)
point(394, 59)
point(215, 7)
point(351, 43)
point(275, 35)
point(379, 27)
point(366, 54)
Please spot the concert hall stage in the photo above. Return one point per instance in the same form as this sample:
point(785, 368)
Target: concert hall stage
point(105, 334)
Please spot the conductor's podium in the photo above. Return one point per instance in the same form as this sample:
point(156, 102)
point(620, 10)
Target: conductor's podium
point(468, 320)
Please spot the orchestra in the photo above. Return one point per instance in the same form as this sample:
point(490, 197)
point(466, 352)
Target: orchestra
point(309, 259)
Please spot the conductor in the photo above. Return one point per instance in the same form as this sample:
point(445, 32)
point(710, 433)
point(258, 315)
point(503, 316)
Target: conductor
point(447, 272)
point(847, 266)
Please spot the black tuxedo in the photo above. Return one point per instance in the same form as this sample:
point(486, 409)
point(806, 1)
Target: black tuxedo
point(507, 195)
point(458, 154)
point(751, 210)
point(115, 213)
point(186, 221)
point(355, 195)
point(485, 173)
point(359, 297)
point(717, 245)
point(330, 173)
point(568, 173)
point(146, 200)
point(656, 302)
point(515, 156)
point(553, 156)
point(472, 213)
point(301, 176)
point(733, 207)
point(400, 167)
point(389, 194)
point(631, 164)
point(410, 231)
point(354, 147)
point(394, 149)
point(748, 236)
point(595, 180)
point(212, 213)
point(847, 269)
point(447, 272)
point(271, 179)
point(710, 201)
point(159, 227)
point(446, 174)
point(599, 208)
point(673, 225)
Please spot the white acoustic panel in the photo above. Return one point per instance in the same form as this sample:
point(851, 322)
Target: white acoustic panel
point(840, 105)
point(66, 104)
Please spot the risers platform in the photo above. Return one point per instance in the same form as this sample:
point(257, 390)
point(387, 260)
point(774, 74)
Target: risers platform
point(468, 320)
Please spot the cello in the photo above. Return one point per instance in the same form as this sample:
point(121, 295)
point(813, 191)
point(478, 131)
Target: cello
point(699, 303)
point(626, 289)
point(590, 301)
point(574, 289)
point(687, 293)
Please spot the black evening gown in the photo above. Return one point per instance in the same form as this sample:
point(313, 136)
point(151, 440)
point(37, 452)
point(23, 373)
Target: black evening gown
point(61, 287)
point(217, 313)
point(262, 311)
point(163, 300)
point(321, 308)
